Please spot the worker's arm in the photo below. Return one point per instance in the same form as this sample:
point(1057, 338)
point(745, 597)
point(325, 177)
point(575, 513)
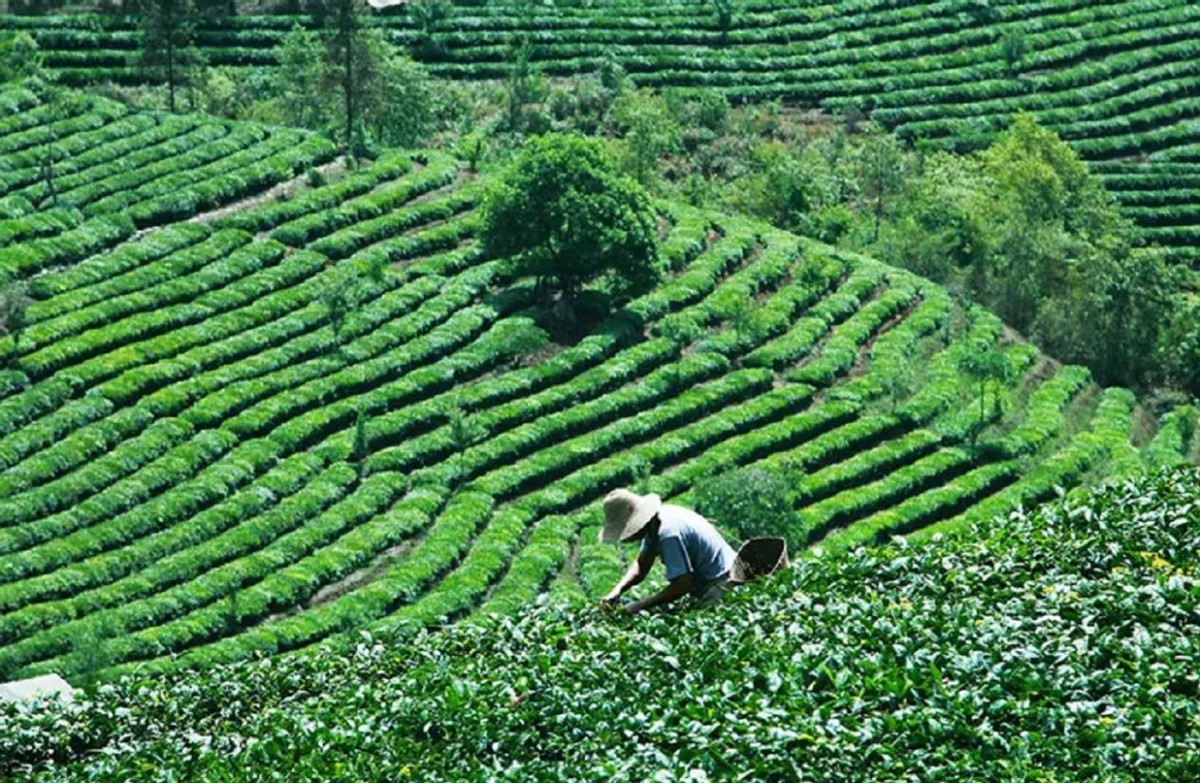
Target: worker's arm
point(633, 575)
point(677, 588)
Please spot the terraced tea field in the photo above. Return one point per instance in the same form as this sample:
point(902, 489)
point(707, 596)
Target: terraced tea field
point(181, 481)
point(1117, 78)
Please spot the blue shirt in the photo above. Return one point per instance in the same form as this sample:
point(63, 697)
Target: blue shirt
point(688, 543)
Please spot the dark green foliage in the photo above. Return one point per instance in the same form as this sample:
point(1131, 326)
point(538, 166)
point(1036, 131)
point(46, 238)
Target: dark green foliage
point(524, 87)
point(1056, 646)
point(348, 65)
point(169, 52)
point(569, 219)
point(362, 444)
point(14, 303)
point(752, 502)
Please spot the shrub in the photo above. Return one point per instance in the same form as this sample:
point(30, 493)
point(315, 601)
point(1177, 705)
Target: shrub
point(752, 501)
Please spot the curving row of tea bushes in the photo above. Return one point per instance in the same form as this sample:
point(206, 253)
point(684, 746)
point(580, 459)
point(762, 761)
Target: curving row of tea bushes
point(438, 172)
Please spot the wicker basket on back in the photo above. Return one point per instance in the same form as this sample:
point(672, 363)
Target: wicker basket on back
point(759, 557)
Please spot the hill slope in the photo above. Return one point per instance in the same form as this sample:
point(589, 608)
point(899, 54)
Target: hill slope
point(1116, 78)
point(1050, 647)
point(181, 484)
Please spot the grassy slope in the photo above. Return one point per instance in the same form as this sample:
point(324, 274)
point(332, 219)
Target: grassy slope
point(1053, 646)
point(177, 426)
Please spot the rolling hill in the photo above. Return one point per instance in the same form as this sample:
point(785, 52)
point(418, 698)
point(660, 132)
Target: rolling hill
point(202, 464)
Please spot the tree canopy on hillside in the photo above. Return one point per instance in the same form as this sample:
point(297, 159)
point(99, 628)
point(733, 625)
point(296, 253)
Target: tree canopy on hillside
point(569, 218)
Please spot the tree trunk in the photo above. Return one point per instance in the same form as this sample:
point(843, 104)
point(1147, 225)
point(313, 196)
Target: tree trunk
point(878, 209)
point(349, 89)
point(171, 64)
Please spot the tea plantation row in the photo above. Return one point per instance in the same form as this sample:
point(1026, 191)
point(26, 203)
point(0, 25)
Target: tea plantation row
point(1117, 78)
point(1058, 645)
point(184, 484)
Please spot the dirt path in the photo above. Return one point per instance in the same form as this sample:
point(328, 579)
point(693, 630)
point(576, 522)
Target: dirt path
point(288, 187)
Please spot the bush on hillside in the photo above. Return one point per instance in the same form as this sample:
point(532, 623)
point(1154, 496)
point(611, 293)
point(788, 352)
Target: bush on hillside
point(751, 502)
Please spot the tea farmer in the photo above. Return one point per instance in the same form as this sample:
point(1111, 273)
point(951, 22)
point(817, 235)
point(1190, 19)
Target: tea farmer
point(697, 558)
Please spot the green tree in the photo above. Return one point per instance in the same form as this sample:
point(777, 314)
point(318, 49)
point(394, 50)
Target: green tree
point(1110, 314)
point(780, 191)
point(1013, 47)
point(937, 231)
point(299, 79)
point(569, 219)
point(524, 87)
point(723, 15)
point(391, 98)
point(20, 57)
point(1060, 259)
point(427, 15)
point(881, 163)
point(338, 299)
point(465, 432)
point(168, 29)
point(648, 131)
point(1179, 341)
point(988, 367)
point(14, 303)
point(48, 177)
point(362, 443)
point(399, 102)
point(351, 67)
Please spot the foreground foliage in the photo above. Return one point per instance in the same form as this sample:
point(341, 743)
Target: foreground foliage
point(1053, 646)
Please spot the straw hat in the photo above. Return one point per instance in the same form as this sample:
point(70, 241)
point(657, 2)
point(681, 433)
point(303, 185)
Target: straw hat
point(626, 513)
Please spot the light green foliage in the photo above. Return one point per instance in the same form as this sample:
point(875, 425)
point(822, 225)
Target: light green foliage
point(339, 298)
point(20, 57)
point(881, 171)
point(1029, 231)
point(987, 367)
point(524, 88)
point(1060, 262)
point(649, 132)
point(298, 79)
point(391, 99)
point(567, 216)
point(938, 231)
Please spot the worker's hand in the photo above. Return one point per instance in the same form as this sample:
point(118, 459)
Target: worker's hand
point(609, 602)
